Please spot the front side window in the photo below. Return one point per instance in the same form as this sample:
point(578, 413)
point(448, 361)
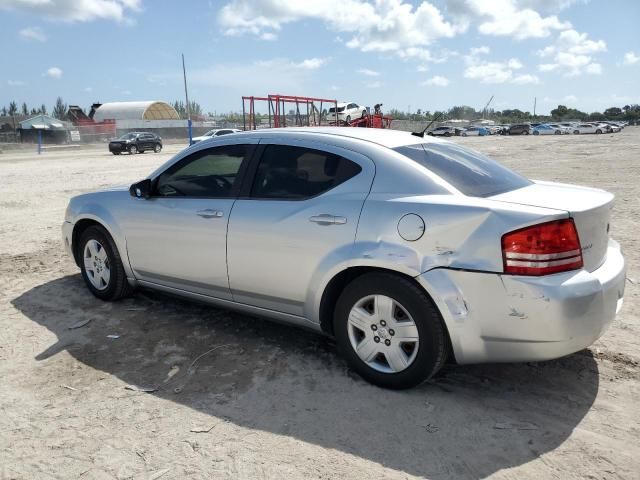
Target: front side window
point(208, 173)
point(287, 172)
point(470, 172)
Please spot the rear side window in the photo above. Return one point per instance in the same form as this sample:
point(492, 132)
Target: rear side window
point(287, 172)
point(470, 172)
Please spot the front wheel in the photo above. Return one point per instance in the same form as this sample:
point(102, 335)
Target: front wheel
point(389, 331)
point(598, 131)
point(348, 119)
point(116, 153)
point(536, 133)
point(101, 265)
point(576, 132)
point(133, 150)
point(557, 132)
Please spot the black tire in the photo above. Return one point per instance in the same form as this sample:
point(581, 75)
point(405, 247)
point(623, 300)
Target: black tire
point(433, 347)
point(116, 153)
point(157, 148)
point(348, 119)
point(536, 132)
point(447, 134)
point(526, 132)
point(576, 132)
point(133, 149)
point(598, 131)
point(118, 286)
point(557, 132)
point(430, 134)
point(364, 114)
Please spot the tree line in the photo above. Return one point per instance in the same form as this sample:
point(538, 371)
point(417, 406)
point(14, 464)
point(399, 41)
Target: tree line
point(629, 113)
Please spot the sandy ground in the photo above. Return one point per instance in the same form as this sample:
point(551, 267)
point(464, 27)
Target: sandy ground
point(273, 401)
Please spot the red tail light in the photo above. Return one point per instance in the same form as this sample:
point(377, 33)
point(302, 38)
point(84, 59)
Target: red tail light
point(542, 249)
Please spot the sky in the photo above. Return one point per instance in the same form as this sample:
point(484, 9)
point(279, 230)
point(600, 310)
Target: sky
point(410, 55)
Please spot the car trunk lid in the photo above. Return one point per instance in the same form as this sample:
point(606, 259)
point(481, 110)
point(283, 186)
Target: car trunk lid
point(589, 207)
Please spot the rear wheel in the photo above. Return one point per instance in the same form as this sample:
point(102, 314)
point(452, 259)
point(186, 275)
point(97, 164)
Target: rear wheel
point(389, 331)
point(576, 132)
point(557, 132)
point(157, 148)
point(447, 134)
point(101, 265)
point(535, 132)
point(598, 131)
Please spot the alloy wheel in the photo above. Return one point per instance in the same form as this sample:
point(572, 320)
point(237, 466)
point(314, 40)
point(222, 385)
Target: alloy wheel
point(97, 264)
point(383, 334)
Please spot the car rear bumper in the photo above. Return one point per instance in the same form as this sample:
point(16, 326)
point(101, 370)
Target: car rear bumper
point(504, 318)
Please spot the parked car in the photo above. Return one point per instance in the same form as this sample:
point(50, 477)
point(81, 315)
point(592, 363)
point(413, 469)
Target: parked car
point(564, 130)
point(588, 128)
point(475, 131)
point(613, 126)
point(444, 131)
point(520, 129)
point(215, 133)
point(136, 142)
point(544, 129)
point(346, 112)
point(407, 250)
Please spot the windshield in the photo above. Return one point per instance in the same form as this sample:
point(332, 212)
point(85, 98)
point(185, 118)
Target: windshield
point(128, 136)
point(470, 172)
point(210, 133)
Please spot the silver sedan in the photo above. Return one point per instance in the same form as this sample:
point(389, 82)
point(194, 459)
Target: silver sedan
point(408, 250)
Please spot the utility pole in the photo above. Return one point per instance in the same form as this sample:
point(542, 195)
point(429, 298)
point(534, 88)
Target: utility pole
point(186, 95)
point(534, 105)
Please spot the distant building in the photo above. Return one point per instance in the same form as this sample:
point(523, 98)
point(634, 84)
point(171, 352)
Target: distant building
point(52, 129)
point(137, 113)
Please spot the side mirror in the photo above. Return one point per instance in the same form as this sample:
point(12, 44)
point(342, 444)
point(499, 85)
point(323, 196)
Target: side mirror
point(141, 189)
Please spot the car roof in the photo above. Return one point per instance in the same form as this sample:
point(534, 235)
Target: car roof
point(384, 137)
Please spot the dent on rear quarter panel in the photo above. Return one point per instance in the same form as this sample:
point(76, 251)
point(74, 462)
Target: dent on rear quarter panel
point(460, 232)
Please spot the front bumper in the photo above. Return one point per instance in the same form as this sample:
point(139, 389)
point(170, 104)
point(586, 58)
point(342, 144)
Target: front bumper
point(67, 237)
point(117, 147)
point(506, 318)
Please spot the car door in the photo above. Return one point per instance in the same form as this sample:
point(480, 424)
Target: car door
point(299, 211)
point(177, 238)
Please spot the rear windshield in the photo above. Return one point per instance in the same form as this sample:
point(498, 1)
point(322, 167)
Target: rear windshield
point(333, 109)
point(468, 171)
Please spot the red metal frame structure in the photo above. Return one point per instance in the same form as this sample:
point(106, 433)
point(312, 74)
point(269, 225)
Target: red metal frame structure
point(312, 114)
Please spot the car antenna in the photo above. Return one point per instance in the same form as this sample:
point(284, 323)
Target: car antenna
point(421, 134)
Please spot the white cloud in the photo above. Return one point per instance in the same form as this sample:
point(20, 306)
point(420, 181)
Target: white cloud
point(268, 36)
point(436, 81)
point(368, 73)
point(54, 72)
point(496, 72)
point(15, 83)
point(510, 18)
point(33, 33)
point(630, 58)
point(312, 63)
point(525, 79)
point(75, 10)
point(383, 26)
point(484, 50)
point(572, 54)
point(278, 74)
point(593, 69)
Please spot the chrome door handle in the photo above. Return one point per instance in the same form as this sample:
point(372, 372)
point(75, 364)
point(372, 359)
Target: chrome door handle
point(326, 219)
point(209, 213)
